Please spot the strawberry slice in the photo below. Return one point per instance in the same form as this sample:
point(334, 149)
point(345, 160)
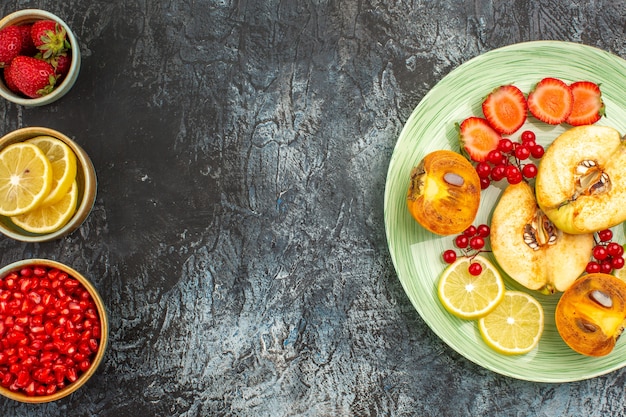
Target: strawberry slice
point(588, 106)
point(478, 138)
point(505, 109)
point(551, 101)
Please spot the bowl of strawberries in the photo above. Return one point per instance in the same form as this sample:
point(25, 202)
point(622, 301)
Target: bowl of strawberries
point(39, 57)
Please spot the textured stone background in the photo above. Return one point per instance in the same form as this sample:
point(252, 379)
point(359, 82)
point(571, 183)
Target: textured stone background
point(238, 239)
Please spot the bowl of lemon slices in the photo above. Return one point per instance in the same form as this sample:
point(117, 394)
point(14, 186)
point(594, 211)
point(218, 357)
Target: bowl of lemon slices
point(47, 185)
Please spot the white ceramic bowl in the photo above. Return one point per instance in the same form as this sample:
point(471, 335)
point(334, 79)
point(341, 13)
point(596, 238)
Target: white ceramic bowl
point(29, 16)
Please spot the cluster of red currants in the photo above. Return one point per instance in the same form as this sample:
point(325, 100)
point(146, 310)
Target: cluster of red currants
point(471, 242)
point(505, 162)
point(606, 255)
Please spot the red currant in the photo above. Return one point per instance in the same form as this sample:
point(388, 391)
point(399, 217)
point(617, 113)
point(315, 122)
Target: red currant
point(483, 169)
point(592, 267)
point(614, 249)
point(477, 243)
point(470, 231)
point(522, 152)
point(537, 151)
point(484, 183)
point(513, 174)
point(494, 156)
point(483, 230)
point(475, 268)
point(600, 253)
point(528, 136)
point(498, 172)
point(449, 256)
point(605, 235)
point(461, 241)
point(505, 145)
point(617, 262)
point(529, 171)
point(606, 267)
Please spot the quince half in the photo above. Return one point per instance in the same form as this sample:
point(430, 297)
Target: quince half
point(581, 180)
point(444, 192)
point(528, 246)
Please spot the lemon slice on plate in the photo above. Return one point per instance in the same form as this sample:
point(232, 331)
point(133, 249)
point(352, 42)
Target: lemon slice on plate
point(48, 218)
point(25, 178)
point(470, 296)
point(515, 326)
point(63, 161)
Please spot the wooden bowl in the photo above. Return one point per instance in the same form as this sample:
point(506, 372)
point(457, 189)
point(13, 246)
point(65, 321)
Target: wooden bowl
point(30, 16)
point(104, 326)
point(85, 178)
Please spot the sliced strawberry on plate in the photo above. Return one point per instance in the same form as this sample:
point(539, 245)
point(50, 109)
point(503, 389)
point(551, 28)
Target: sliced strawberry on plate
point(551, 101)
point(478, 138)
point(588, 106)
point(505, 109)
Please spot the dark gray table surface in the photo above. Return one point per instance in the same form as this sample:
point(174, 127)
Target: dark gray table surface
point(238, 236)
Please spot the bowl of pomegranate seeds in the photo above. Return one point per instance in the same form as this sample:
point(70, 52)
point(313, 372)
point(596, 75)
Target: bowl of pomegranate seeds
point(53, 330)
point(39, 57)
point(48, 185)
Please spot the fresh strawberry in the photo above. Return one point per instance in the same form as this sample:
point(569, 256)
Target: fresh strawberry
point(477, 138)
point(505, 109)
point(49, 37)
point(10, 44)
point(551, 101)
point(588, 106)
point(33, 77)
point(28, 47)
point(8, 80)
point(61, 64)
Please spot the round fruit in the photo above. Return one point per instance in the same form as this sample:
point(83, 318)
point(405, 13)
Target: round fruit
point(25, 178)
point(591, 314)
point(444, 192)
point(515, 326)
point(470, 296)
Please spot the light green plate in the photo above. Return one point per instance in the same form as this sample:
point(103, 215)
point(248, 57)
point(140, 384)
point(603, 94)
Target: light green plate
point(416, 253)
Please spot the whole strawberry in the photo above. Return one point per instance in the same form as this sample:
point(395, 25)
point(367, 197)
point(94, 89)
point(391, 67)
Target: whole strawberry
point(28, 47)
point(10, 44)
point(8, 79)
point(61, 64)
point(33, 77)
point(49, 37)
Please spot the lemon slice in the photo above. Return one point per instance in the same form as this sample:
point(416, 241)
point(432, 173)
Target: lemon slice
point(63, 161)
point(25, 178)
point(468, 296)
point(50, 217)
point(515, 326)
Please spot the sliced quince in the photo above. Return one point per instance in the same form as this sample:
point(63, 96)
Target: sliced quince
point(530, 248)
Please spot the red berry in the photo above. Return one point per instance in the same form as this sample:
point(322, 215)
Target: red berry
point(494, 156)
point(477, 243)
point(449, 256)
point(537, 151)
point(600, 253)
point(475, 269)
point(529, 171)
point(522, 152)
point(470, 231)
point(606, 267)
point(483, 230)
point(483, 169)
point(49, 37)
point(528, 136)
point(32, 76)
point(505, 145)
point(605, 235)
point(484, 183)
point(614, 249)
point(592, 267)
point(498, 172)
point(513, 174)
point(461, 241)
point(617, 262)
